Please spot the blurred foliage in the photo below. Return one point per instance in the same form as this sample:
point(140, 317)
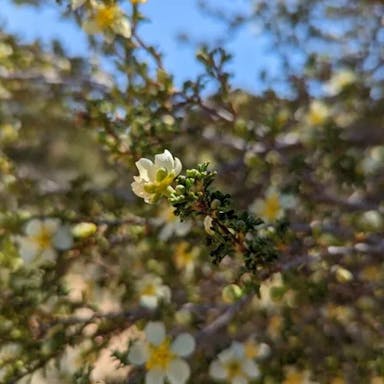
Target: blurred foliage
point(281, 239)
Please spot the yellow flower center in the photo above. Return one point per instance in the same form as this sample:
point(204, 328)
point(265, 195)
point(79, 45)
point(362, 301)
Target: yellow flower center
point(183, 257)
point(160, 356)
point(371, 273)
point(233, 369)
point(251, 350)
point(43, 239)
point(159, 187)
point(106, 16)
point(271, 207)
point(294, 378)
point(167, 215)
point(318, 113)
point(149, 290)
point(338, 380)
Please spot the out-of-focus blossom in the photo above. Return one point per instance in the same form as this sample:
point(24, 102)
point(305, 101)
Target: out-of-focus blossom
point(155, 178)
point(268, 290)
point(275, 325)
point(43, 238)
point(371, 273)
point(294, 376)
point(151, 290)
point(273, 206)
point(107, 18)
point(318, 113)
point(185, 257)
point(233, 366)
point(163, 359)
point(171, 224)
point(255, 350)
point(339, 81)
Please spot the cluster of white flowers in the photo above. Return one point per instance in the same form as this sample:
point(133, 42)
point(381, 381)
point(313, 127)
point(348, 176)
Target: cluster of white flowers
point(42, 240)
point(155, 178)
point(163, 359)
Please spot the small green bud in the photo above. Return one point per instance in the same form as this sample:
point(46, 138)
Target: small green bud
point(84, 230)
point(342, 274)
point(215, 204)
point(231, 293)
point(192, 173)
point(189, 182)
point(180, 189)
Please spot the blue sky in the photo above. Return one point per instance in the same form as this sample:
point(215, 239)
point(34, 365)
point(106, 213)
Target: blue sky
point(168, 18)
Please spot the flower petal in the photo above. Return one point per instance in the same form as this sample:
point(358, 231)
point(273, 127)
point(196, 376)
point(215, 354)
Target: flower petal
point(183, 345)
point(178, 372)
point(144, 166)
point(51, 225)
point(251, 368)
point(155, 332)
point(122, 27)
point(154, 376)
point(239, 380)
point(178, 166)
point(264, 350)
point(217, 371)
point(235, 351)
point(164, 292)
point(149, 301)
point(28, 249)
point(165, 160)
point(138, 189)
point(49, 254)
point(90, 27)
point(63, 239)
point(138, 354)
point(33, 227)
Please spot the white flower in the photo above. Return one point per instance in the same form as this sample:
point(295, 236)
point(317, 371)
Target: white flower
point(233, 365)
point(293, 376)
point(185, 258)
point(255, 350)
point(151, 290)
point(339, 81)
point(42, 239)
point(162, 358)
point(155, 178)
point(272, 207)
point(318, 113)
point(107, 18)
